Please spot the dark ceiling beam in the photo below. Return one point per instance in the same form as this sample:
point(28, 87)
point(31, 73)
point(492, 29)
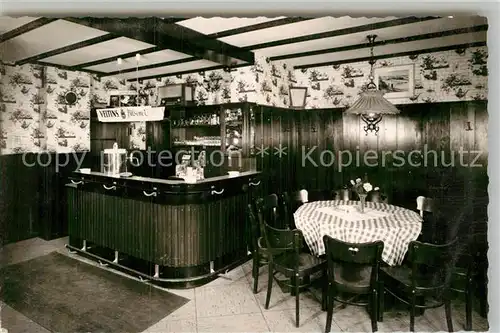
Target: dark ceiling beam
point(258, 26)
point(392, 55)
point(83, 65)
point(383, 42)
point(67, 48)
point(161, 64)
point(189, 71)
point(341, 32)
point(199, 40)
point(166, 35)
point(35, 24)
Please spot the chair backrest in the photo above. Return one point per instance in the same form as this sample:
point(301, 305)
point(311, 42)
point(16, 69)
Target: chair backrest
point(269, 209)
point(291, 202)
point(425, 205)
point(280, 241)
point(319, 195)
point(358, 256)
point(478, 246)
point(295, 199)
point(376, 196)
point(432, 264)
point(433, 228)
point(344, 194)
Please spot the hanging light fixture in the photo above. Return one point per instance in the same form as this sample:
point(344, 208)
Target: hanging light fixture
point(371, 104)
point(298, 97)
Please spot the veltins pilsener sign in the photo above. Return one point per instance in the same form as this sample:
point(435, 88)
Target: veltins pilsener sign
point(130, 113)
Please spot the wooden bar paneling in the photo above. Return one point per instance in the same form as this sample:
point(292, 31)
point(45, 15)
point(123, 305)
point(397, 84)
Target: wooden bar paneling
point(184, 230)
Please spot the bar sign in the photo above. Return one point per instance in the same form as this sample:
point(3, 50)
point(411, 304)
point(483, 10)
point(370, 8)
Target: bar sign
point(130, 114)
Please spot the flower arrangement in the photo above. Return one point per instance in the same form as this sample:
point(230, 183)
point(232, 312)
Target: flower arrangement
point(362, 187)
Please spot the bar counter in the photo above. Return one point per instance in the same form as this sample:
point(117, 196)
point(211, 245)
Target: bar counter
point(168, 232)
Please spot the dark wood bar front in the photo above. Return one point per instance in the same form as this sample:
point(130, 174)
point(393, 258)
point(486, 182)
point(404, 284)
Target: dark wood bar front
point(171, 232)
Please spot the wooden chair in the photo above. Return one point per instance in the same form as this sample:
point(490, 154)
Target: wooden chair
point(362, 259)
point(426, 209)
point(286, 257)
point(272, 211)
point(376, 196)
point(259, 250)
point(293, 200)
point(425, 205)
point(319, 195)
point(429, 275)
point(471, 274)
point(344, 194)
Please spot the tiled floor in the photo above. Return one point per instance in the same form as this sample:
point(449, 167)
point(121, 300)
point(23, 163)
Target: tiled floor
point(228, 305)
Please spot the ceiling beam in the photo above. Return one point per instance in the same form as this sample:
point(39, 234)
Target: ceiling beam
point(67, 48)
point(189, 71)
point(341, 32)
point(172, 36)
point(161, 64)
point(383, 42)
point(258, 26)
point(35, 24)
point(83, 65)
point(393, 55)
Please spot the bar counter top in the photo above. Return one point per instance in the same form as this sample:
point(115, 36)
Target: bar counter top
point(165, 190)
point(168, 181)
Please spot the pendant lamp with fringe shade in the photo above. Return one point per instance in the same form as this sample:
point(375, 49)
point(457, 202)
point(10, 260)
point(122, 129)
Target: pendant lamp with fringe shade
point(371, 104)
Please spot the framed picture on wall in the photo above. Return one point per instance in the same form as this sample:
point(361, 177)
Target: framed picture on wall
point(127, 98)
point(396, 81)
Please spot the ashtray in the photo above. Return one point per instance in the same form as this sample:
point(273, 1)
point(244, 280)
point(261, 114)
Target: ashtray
point(126, 174)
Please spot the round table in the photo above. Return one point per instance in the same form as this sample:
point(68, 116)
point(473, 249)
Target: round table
point(395, 226)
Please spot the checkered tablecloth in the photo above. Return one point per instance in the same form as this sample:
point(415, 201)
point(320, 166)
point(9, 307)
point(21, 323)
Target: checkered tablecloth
point(395, 226)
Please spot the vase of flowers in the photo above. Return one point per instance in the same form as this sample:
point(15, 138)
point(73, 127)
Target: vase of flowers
point(362, 188)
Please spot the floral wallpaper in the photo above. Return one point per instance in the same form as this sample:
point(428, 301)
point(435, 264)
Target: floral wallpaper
point(102, 87)
point(35, 118)
point(67, 126)
point(456, 75)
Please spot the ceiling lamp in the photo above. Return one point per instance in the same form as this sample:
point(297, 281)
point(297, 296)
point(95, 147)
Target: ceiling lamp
point(371, 104)
point(298, 97)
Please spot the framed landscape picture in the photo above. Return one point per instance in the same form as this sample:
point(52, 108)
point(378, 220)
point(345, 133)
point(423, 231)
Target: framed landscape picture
point(127, 98)
point(395, 81)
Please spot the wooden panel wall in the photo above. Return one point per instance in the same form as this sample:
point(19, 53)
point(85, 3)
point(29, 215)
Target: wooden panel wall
point(423, 127)
point(32, 200)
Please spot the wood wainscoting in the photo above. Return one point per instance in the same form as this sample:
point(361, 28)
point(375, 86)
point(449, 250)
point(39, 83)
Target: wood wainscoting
point(307, 137)
point(32, 199)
